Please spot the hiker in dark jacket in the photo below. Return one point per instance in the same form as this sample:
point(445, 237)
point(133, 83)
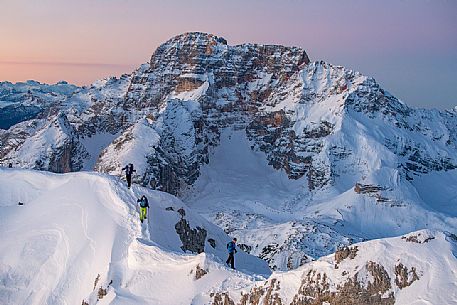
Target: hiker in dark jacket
point(128, 173)
point(231, 247)
point(144, 206)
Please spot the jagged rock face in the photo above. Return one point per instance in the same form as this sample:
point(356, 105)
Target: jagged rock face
point(54, 147)
point(181, 149)
point(405, 277)
point(267, 90)
point(315, 289)
point(344, 253)
point(204, 68)
point(193, 240)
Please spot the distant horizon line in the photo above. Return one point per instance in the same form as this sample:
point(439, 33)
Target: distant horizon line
point(64, 63)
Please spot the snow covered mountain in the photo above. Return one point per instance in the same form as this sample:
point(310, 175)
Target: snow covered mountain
point(24, 101)
point(293, 157)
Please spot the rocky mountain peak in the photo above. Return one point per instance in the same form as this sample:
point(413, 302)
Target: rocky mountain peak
point(186, 47)
point(196, 38)
point(194, 47)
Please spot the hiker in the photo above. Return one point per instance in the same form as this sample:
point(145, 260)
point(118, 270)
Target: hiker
point(231, 247)
point(128, 173)
point(144, 205)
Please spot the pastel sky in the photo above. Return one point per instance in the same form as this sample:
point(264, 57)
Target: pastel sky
point(409, 46)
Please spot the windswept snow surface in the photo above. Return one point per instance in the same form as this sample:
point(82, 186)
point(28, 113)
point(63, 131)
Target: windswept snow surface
point(73, 227)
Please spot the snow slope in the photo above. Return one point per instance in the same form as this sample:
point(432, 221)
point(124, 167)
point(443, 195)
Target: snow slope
point(417, 268)
point(279, 221)
point(73, 227)
point(132, 146)
point(77, 238)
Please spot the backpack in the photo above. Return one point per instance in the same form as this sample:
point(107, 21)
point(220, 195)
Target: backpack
point(231, 247)
point(143, 203)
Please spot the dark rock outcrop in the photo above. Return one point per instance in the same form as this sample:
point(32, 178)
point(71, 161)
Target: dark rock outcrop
point(193, 240)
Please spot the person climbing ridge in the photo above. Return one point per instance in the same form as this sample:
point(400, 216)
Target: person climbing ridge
point(144, 205)
point(128, 173)
point(231, 247)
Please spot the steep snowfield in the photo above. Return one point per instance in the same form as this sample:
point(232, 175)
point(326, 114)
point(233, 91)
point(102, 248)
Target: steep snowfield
point(132, 146)
point(278, 220)
point(73, 227)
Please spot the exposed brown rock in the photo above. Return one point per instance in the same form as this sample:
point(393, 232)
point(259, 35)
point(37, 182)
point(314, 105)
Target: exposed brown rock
point(405, 278)
point(96, 281)
point(322, 130)
point(102, 292)
point(315, 290)
point(199, 272)
point(222, 299)
point(367, 188)
point(417, 238)
point(187, 84)
point(345, 252)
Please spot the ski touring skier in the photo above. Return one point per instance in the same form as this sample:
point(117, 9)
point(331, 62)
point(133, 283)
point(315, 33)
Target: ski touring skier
point(144, 206)
point(231, 247)
point(128, 173)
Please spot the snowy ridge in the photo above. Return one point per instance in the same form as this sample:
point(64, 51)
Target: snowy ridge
point(73, 227)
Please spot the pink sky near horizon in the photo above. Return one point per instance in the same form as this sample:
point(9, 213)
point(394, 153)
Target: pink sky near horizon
point(405, 44)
